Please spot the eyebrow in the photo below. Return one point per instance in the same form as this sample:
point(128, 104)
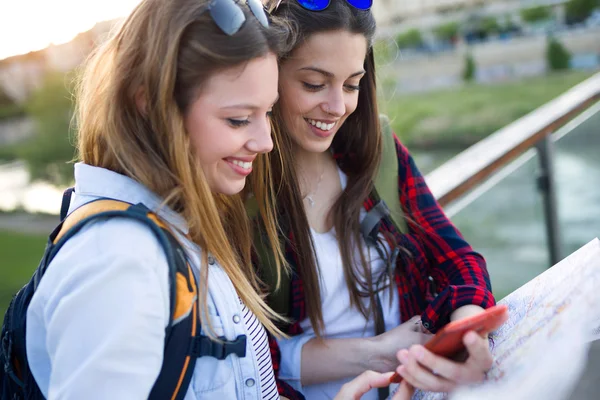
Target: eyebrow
point(246, 106)
point(329, 74)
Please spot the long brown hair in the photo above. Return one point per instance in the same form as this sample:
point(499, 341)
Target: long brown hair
point(164, 52)
point(358, 141)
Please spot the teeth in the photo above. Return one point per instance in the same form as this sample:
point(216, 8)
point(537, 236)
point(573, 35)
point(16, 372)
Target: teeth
point(321, 125)
point(245, 165)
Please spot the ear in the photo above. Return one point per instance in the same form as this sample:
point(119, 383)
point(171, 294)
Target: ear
point(140, 100)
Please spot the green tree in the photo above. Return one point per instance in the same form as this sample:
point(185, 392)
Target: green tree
point(409, 39)
point(469, 71)
point(557, 57)
point(489, 25)
point(48, 153)
point(580, 10)
point(536, 14)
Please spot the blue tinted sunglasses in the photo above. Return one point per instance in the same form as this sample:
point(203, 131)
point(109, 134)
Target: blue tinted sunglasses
point(320, 5)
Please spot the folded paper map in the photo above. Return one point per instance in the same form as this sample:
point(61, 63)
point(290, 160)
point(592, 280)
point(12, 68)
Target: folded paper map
point(541, 351)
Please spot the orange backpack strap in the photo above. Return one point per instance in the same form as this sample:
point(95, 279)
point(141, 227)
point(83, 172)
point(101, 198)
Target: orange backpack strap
point(183, 331)
point(183, 342)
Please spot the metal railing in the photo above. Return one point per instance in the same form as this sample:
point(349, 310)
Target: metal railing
point(469, 174)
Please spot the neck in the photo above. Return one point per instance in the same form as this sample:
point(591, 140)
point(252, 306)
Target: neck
point(310, 166)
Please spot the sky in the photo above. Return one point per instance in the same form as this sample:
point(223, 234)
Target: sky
point(28, 25)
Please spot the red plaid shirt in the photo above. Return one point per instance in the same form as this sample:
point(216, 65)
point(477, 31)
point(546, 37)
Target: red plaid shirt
point(436, 249)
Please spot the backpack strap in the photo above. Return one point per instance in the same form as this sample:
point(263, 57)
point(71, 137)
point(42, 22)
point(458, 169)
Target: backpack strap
point(184, 323)
point(183, 341)
point(66, 202)
point(386, 181)
point(386, 189)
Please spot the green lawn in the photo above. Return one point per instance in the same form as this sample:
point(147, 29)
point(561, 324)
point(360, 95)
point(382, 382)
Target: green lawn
point(20, 255)
point(461, 117)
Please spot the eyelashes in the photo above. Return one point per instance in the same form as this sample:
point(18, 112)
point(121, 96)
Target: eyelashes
point(312, 88)
point(239, 123)
point(315, 88)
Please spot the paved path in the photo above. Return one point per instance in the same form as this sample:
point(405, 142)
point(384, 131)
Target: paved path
point(40, 224)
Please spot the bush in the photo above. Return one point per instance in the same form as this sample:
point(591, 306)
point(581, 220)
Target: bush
point(557, 57)
point(409, 39)
point(469, 71)
point(536, 14)
point(489, 25)
point(579, 10)
point(447, 32)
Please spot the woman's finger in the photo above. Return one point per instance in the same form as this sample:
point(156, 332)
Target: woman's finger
point(360, 385)
point(421, 377)
point(480, 358)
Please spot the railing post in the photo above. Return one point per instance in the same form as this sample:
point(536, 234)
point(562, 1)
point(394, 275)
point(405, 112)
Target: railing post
point(547, 186)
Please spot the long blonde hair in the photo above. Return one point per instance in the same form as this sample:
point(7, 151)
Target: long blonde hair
point(163, 53)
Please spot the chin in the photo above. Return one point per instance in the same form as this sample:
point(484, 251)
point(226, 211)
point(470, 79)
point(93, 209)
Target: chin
point(315, 146)
point(230, 188)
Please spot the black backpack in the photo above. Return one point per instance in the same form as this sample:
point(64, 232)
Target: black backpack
point(183, 342)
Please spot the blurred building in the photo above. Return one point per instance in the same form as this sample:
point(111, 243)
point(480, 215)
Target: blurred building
point(22, 74)
point(424, 13)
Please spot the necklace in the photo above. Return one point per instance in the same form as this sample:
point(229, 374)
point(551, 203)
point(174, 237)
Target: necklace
point(309, 197)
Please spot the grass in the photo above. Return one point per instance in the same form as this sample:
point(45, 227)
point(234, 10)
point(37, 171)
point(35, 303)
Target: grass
point(461, 117)
point(19, 256)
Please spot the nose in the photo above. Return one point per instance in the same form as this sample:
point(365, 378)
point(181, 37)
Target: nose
point(261, 140)
point(334, 104)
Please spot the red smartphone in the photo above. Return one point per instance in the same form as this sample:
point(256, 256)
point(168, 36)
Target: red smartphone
point(448, 341)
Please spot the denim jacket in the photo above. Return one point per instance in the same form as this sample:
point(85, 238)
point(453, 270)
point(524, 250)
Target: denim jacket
point(96, 324)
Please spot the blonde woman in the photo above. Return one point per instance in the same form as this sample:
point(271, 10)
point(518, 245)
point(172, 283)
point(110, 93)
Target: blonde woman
point(173, 116)
point(173, 113)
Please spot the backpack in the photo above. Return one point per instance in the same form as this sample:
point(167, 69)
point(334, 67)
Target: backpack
point(388, 206)
point(183, 342)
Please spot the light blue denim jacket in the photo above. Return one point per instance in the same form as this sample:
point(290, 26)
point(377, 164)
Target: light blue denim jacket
point(96, 324)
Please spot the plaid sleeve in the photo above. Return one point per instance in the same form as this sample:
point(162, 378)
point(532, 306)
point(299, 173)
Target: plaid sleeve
point(459, 273)
point(283, 388)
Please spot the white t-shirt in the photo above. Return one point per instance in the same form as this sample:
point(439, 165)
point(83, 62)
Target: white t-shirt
point(341, 320)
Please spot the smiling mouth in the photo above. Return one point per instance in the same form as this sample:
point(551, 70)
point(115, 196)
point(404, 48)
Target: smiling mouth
point(324, 126)
point(242, 164)
point(241, 167)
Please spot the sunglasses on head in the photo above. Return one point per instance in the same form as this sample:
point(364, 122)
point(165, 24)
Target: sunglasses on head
point(320, 5)
point(229, 17)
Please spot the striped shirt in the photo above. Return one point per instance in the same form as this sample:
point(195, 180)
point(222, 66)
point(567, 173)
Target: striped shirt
point(260, 344)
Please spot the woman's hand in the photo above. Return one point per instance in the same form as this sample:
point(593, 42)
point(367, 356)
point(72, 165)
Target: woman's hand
point(384, 357)
point(427, 371)
point(368, 380)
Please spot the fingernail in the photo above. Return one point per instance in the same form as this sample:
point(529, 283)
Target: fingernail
point(403, 356)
